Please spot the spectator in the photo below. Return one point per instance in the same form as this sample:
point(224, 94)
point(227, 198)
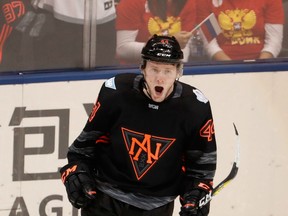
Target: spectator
point(251, 29)
point(16, 17)
point(284, 51)
point(66, 41)
point(50, 36)
point(138, 20)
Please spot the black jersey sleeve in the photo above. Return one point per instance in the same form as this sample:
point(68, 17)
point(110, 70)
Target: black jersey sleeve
point(96, 130)
point(200, 156)
point(13, 11)
point(102, 117)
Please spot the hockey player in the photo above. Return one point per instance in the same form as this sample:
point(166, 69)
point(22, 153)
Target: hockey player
point(14, 15)
point(148, 139)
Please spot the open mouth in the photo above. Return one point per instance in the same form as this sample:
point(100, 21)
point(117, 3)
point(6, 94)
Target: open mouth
point(159, 89)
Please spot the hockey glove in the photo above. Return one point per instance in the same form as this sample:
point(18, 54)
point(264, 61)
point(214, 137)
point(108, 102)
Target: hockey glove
point(190, 200)
point(80, 185)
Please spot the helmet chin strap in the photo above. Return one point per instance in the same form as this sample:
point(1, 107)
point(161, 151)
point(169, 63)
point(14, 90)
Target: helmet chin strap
point(146, 89)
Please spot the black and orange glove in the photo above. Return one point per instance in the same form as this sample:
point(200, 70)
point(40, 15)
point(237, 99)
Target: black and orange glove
point(79, 183)
point(190, 200)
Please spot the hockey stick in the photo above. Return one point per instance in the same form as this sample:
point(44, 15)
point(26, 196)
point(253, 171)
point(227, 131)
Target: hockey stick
point(206, 199)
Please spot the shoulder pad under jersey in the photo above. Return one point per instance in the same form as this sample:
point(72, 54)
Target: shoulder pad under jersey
point(191, 91)
point(121, 81)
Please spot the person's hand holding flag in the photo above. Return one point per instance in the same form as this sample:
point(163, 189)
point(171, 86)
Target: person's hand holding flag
point(208, 28)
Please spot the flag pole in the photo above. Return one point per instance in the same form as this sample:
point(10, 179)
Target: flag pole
point(198, 26)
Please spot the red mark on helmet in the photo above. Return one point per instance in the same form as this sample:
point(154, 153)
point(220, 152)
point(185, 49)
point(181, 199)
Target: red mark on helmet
point(164, 41)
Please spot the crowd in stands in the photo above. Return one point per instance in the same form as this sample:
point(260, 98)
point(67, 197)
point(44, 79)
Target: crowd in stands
point(61, 34)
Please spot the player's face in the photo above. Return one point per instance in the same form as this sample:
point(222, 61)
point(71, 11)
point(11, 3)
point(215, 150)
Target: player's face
point(160, 78)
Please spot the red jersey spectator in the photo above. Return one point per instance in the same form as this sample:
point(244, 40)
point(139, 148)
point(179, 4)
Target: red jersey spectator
point(138, 20)
point(251, 29)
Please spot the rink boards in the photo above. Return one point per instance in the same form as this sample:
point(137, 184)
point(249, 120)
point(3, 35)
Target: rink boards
point(39, 120)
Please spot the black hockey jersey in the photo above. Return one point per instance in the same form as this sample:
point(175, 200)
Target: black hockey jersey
point(145, 147)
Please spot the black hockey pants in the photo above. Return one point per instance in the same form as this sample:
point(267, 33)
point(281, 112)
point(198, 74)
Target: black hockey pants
point(105, 205)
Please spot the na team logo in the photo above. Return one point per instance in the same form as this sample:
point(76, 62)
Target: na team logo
point(144, 150)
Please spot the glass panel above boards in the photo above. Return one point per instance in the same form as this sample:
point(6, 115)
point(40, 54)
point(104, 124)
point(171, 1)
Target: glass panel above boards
point(50, 35)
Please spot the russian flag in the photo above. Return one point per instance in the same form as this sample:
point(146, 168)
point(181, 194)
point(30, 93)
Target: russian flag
point(209, 28)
